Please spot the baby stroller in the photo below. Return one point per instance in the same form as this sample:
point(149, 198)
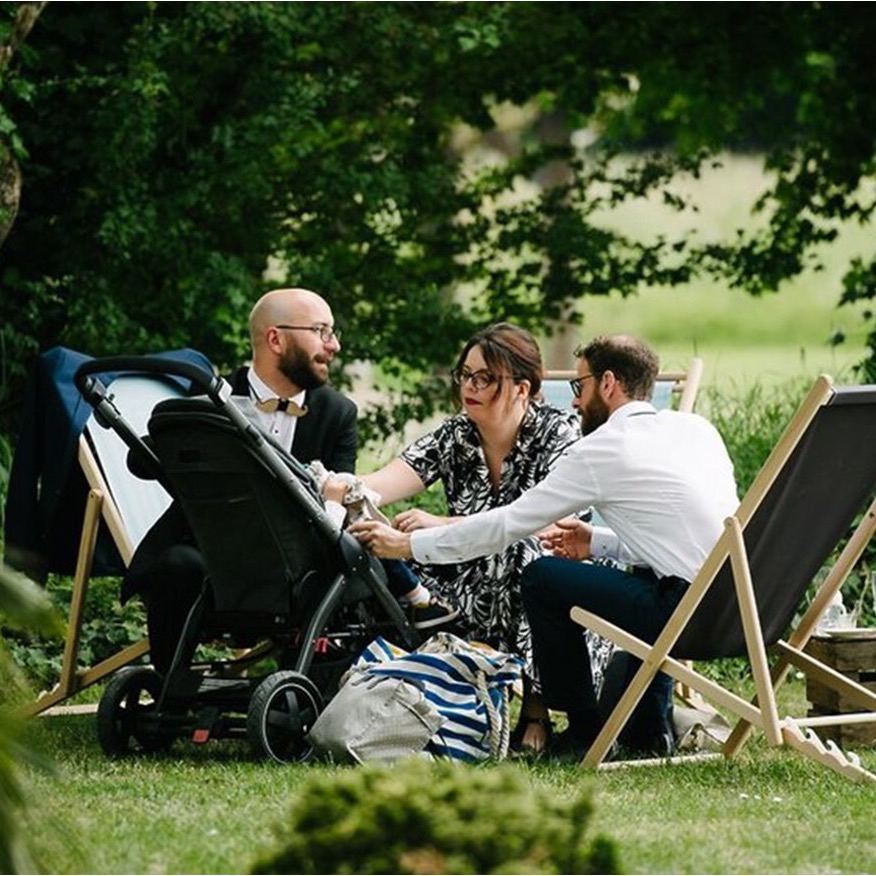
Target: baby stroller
point(284, 582)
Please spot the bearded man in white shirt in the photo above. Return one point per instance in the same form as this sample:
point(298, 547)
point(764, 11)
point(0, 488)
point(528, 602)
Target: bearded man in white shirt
point(663, 483)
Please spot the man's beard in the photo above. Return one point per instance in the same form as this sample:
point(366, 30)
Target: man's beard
point(593, 415)
point(297, 366)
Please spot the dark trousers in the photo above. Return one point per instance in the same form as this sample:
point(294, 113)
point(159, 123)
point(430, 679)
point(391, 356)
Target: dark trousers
point(400, 577)
point(169, 586)
point(636, 602)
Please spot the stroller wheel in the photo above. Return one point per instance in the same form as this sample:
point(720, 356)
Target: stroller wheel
point(124, 711)
point(283, 709)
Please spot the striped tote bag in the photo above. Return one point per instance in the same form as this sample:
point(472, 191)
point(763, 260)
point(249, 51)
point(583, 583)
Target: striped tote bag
point(468, 683)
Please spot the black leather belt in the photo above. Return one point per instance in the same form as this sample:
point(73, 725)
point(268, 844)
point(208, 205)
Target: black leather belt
point(650, 575)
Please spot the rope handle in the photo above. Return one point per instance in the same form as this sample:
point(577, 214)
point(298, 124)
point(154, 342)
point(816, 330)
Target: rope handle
point(499, 724)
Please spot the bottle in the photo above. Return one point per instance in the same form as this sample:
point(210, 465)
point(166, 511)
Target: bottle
point(835, 616)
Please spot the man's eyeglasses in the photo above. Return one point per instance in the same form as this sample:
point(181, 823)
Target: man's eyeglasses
point(479, 380)
point(326, 332)
point(577, 383)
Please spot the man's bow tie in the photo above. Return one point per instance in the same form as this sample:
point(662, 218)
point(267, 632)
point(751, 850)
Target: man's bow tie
point(287, 406)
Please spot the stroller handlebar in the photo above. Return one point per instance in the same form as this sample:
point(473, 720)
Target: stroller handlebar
point(142, 460)
point(209, 383)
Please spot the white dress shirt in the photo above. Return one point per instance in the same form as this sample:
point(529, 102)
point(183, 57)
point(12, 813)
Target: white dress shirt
point(662, 481)
point(279, 425)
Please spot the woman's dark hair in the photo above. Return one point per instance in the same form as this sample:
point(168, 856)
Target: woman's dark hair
point(631, 361)
point(508, 349)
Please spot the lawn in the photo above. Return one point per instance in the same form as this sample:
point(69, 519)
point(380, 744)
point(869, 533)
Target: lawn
point(742, 340)
point(212, 809)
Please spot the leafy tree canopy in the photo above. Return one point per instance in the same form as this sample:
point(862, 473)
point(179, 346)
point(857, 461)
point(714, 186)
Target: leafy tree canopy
point(173, 152)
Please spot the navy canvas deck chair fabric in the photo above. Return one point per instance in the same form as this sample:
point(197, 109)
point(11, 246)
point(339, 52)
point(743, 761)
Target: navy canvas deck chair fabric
point(47, 489)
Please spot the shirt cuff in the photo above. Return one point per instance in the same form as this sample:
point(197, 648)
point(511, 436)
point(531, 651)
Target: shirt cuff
point(336, 512)
point(421, 545)
point(604, 543)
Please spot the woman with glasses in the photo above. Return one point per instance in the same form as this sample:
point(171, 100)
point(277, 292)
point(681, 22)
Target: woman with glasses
point(501, 443)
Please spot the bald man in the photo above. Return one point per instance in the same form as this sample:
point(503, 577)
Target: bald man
point(294, 339)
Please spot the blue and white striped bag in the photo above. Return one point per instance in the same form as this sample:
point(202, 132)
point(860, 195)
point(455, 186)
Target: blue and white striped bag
point(468, 683)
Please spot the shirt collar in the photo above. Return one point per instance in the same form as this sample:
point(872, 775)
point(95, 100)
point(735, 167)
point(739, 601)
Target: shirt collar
point(262, 391)
point(631, 408)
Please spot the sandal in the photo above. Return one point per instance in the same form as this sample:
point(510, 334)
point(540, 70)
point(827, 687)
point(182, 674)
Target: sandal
point(515, 740)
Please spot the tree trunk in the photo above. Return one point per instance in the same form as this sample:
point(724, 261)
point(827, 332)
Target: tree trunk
point(10, 172)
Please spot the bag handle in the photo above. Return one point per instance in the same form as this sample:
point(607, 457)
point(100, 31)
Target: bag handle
point(499, 730)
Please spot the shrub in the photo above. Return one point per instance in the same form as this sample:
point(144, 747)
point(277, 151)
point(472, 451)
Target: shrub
point(422, 817)
point(751, 422)
point(22, 603)
point(107, 628)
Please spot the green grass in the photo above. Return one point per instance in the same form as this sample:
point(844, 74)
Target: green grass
point(742, 340)
point(212, 809)
point(770, 814)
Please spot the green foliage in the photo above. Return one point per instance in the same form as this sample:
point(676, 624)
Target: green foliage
point(6, 455)
point(421, 165)
point(25, 610)
point(751, 421)
point(21, 603)
point(432, 500)
point(14, 855)
point(418, 817)
point(106, 629)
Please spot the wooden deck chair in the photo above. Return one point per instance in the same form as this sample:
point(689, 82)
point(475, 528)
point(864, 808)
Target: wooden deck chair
point(802, 505)
point(672, 389)
point(127, 506)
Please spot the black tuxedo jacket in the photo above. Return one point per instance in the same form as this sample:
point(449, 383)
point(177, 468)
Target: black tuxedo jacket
point(327, 433)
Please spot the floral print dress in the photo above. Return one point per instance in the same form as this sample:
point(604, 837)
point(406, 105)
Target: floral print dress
point(487, 589)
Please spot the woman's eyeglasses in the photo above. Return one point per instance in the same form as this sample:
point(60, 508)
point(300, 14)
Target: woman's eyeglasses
point(479, 380)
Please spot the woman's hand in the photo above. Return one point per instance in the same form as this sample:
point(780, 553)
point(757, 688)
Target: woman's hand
point(382, 540)
point(416, 518)
point(569, 538)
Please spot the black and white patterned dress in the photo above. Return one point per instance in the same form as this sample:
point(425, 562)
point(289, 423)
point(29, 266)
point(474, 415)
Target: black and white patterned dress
point(487, 589)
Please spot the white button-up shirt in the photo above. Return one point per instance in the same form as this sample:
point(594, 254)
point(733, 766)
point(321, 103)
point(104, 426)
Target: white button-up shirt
point(662, 482)
point(279, 425)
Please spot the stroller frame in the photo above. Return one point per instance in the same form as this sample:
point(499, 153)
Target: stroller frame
point(306, 595)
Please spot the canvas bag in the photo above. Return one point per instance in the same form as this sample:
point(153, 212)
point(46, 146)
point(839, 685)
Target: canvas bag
point(373, 718)
point(465, 686)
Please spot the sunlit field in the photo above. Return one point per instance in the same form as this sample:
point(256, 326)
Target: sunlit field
point(741, 339)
